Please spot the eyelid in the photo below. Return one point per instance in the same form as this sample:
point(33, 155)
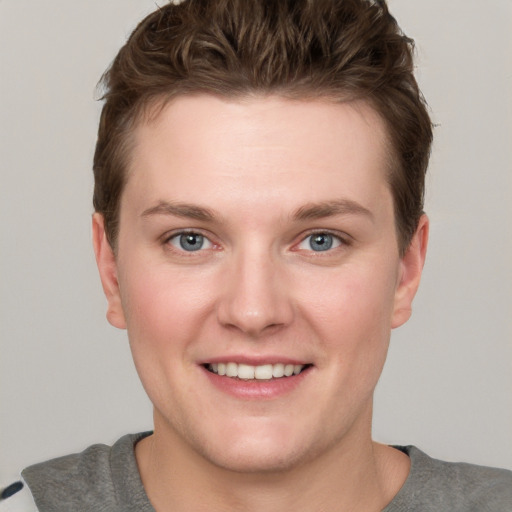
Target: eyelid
point(343, 238)
point(169, 236)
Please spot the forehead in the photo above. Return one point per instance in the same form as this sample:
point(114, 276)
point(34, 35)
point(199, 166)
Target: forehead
point(289, 151)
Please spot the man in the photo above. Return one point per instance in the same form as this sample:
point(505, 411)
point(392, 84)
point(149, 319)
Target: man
point(259, 231)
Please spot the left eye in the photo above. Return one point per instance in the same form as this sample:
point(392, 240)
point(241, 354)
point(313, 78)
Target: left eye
point(190, 242)
point(320, 242)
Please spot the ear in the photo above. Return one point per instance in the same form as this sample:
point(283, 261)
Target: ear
point(107, 266)
point(411, 267)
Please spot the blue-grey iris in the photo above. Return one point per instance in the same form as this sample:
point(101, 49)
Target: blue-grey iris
point(191, 241)
point(321, 242)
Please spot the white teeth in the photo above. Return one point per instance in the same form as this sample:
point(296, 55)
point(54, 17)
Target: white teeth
point(232, 370)
point(262, 372)
point(278, 370)
point(245, 371)
point(288, 370)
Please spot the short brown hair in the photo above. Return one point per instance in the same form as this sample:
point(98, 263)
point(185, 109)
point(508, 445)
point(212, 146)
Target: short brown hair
point(342, 50)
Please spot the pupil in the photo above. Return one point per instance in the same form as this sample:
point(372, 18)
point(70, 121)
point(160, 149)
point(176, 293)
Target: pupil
point(322, 242)
point(191, 242)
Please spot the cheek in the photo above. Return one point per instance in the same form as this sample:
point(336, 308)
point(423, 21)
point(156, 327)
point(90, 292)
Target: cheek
point(351, 314)
point(165, 311)
point(164, 307)
point(353, 298)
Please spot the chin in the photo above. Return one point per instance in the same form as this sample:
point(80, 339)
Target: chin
point(255, 459)
point(262, 450)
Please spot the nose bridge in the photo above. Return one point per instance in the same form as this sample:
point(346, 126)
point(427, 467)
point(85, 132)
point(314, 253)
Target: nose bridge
point(255, 297)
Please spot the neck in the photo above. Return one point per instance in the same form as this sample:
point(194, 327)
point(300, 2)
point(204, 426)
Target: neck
point(356, 475)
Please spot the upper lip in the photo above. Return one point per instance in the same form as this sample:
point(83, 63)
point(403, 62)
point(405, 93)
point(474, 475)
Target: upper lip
point(255, 360)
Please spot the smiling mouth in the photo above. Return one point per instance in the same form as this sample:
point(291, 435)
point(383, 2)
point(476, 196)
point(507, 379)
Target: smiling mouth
point(261, 372)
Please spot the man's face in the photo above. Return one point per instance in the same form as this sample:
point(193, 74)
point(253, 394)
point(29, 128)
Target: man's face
point(258, 237)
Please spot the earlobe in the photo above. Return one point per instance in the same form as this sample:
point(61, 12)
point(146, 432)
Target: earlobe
point(411, 267)
point(107, 267)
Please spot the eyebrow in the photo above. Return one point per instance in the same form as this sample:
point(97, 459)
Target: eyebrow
point(330, 208)
point(309, 211)
point(189, 211)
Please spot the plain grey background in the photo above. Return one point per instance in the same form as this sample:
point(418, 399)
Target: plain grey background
point(66, 376)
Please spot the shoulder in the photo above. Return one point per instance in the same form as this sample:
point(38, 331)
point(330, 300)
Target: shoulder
point(88, 480)
point(79, 474)
point(438, 485)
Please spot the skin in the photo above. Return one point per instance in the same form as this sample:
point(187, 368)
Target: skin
point(258, 290)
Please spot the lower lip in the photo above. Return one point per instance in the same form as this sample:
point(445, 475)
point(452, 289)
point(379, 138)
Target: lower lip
point(256, 389)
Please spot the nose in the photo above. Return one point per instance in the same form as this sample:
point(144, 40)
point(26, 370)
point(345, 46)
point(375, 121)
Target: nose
point(255, 296)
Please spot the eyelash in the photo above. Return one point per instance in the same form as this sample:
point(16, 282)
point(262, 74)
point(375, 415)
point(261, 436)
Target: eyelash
point(177, 235)
point(339, 241)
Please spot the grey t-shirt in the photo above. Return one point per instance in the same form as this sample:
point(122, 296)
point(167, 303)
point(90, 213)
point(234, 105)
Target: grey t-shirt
point(106, 479)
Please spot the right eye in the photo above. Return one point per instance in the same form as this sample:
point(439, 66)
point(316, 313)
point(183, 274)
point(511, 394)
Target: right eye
point(190, 241)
